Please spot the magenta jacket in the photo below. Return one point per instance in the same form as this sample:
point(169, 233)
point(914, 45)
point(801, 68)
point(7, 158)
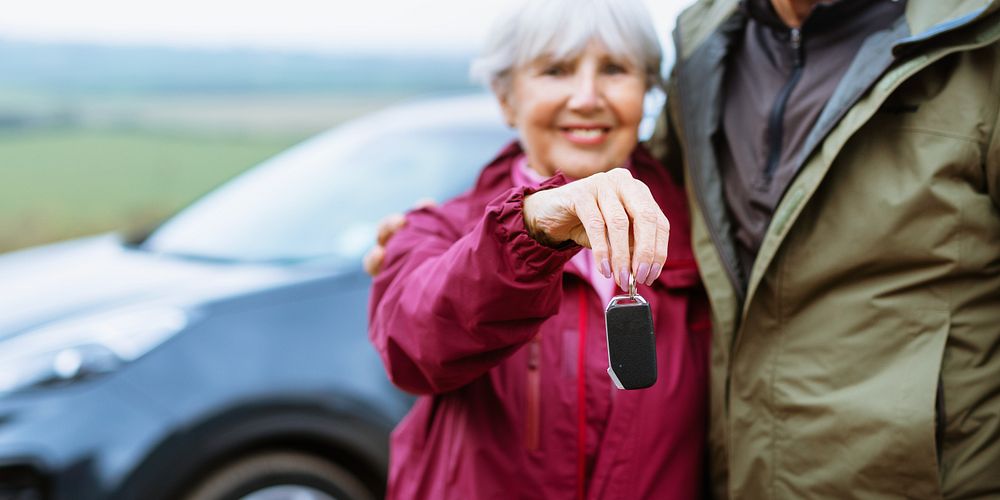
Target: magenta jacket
point(494, 330)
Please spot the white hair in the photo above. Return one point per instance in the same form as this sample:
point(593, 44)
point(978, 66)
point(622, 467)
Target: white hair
point(562, 29)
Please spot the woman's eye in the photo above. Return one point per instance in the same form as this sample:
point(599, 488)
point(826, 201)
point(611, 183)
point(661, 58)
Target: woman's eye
point(555, 70)
point(614, 69)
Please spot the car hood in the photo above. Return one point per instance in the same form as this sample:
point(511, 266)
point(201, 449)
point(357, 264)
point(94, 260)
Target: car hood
point(92, 275)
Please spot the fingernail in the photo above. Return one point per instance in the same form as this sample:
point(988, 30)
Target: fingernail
point(623, 278)
point(606, 268)
point(653, 274)
point(642, 273)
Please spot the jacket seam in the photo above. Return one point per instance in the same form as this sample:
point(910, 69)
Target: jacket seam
point(942, 133)
point(993, 144)
point(779, 285)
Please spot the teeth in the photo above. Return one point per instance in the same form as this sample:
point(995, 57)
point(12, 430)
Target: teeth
point(586, 133)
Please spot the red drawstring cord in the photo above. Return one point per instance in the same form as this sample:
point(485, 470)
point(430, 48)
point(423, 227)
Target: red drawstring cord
point(581, 395)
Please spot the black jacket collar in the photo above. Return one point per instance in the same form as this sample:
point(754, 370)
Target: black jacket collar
point(823, 15)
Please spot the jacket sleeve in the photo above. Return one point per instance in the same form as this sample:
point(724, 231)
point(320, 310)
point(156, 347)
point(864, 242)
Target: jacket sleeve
point(449, 306)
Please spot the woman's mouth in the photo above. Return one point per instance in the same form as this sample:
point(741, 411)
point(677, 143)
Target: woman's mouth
point(585, 135)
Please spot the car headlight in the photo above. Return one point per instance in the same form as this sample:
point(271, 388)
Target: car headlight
point(81, 347)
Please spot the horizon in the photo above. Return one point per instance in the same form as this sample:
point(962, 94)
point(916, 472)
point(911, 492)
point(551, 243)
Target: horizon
point(449, 27)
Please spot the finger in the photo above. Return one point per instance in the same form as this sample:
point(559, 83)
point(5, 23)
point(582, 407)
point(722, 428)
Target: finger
point(425, 203)
point(373, 260)
point(617, 224)
point(645, 215)
point(388, 226)
point(593, 225)
point(660, 255)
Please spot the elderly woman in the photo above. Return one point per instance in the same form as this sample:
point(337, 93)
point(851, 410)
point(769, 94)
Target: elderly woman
point(491, 306)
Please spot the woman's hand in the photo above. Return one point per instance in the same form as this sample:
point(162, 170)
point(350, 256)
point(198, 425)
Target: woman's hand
point(611, 213)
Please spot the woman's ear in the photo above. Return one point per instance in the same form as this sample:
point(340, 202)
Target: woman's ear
point(507, 107)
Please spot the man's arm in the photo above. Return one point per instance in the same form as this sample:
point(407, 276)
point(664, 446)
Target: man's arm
point(387, 227)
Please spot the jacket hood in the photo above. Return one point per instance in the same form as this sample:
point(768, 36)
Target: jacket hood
point(929, 17)
point(930, 21)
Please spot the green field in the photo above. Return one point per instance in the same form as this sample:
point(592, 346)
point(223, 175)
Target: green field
point(262, 113)
point(100, 137)
point(61, 183)
point(74, 164)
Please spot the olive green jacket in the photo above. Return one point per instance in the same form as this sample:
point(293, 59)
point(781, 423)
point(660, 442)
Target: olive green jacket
point(861, 357)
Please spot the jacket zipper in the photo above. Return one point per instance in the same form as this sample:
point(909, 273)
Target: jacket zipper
point(581, 395)
point(533, 395)
point(777, 118)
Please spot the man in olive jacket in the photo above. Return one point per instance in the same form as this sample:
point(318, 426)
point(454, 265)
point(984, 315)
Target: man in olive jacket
point(845, 185)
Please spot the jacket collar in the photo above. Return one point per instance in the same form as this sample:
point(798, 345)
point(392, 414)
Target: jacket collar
point(498, 170)
point(926, 20)
point(763, 12)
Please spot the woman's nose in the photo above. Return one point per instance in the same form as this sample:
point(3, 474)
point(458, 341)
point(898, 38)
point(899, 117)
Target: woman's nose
point(586, 94)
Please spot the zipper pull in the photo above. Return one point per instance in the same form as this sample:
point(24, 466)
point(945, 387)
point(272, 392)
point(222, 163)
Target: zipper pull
point(534, 352)
point(796, 39)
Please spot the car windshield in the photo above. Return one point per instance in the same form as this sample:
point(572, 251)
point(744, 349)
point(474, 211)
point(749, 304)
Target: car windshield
point(323, 198)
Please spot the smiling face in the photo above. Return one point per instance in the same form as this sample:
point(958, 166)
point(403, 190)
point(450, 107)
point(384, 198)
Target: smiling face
point(578, 116)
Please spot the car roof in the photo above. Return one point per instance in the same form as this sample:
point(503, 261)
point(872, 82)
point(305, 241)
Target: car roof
point(461, 110)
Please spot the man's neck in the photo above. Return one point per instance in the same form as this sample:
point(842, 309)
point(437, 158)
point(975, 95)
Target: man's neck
point(794, 12)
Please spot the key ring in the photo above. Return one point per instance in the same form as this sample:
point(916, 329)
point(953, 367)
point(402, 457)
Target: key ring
point(633, 295)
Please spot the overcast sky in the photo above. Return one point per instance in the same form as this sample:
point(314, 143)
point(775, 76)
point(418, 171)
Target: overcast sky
point(323, 25)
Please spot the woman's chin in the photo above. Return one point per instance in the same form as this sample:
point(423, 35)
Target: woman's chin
point(583, 165)
point(579, 171)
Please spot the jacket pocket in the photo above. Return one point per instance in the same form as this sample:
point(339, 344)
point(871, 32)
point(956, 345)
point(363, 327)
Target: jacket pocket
point(918, 429)
point(858, 408)
point(533, 395)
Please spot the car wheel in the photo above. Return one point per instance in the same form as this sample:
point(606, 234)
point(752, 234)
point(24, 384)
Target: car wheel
point(281, 476)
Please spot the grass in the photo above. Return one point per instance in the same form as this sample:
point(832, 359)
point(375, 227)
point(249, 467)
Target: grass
point(74, 164)
point(62, 183)
point(194, 112)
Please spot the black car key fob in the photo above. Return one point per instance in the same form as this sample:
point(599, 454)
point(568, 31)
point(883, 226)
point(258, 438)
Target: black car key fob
point(631, 341)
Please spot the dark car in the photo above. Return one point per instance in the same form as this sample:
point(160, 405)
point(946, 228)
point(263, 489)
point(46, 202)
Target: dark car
point(225, 356)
